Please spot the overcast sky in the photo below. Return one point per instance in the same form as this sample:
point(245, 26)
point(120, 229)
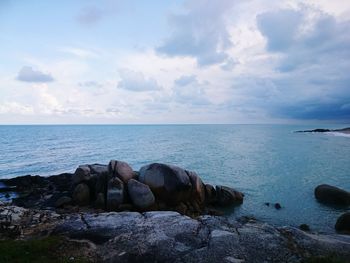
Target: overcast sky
point(195, 61)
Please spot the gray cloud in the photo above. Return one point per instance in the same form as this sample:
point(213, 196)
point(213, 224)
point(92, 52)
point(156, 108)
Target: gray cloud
point(185, 80)
point(136, 81)
point(200, 33)
point(27, 74)
point(90, 84)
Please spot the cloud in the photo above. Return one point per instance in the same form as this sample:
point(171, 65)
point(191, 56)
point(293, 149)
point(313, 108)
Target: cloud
point(136, 81)
point(27, 74)
point(90, 15)
point(90, 84)
point(79, 52)
point(185, 80)
point(200, 33)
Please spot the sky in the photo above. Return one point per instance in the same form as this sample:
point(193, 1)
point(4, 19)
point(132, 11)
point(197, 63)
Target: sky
point(160, 62)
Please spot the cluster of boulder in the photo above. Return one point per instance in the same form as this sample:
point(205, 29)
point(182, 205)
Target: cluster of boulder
point(116, 187)
point(332, 195)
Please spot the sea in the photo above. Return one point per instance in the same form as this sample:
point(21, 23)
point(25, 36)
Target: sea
point(268, 163)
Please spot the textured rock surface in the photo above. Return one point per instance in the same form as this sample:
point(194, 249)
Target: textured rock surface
point(120, 169)
point(343, 223)
point(170, 237)
point(115, 193)
point(140, 194)
point(332, 195)
point(226, 196)
point(81, 194)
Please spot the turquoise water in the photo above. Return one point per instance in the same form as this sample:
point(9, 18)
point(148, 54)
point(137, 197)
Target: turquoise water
point(269, 163)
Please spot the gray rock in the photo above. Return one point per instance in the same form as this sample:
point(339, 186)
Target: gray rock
point(98, 168)
point(198, 188)
point(81, 194)
point(81, 174)
point(115, 194)
point(170, 237)
point(62, 201)
point(228, 196)
point(343, 223)
point(169, 183)
point(333, 195)
point(210, 194)
point(120, 169)
point(140, 194)
point(100, 201)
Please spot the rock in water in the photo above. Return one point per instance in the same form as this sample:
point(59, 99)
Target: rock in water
point(140, 194)
point(115, 193)
point(198, 188)
point(169, 183)
point(343, 223)
point(210, 194)
point(228, 196)
point(332, 195)
point(81, 194)
point(120, 169)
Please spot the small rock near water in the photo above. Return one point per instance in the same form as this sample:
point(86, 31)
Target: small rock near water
point(228, 196)
point(304, 227)
point(278, 206)
point(82, 173)
point(120, 169)
point(332, 195)
point(115, 193)
point(343, 223)
point(140, 194)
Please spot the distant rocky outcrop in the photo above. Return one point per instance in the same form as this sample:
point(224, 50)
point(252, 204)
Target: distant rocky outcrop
point(343, 130)
point(116, 187)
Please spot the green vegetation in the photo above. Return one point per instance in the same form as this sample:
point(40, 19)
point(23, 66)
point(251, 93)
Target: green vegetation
point(48, 250)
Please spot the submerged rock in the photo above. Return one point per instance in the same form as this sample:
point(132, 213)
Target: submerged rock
point(332, 195)
point(343, 223)
point(140, 194)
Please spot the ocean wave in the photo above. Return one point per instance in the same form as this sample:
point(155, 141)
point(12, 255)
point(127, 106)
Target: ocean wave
point(339, 134)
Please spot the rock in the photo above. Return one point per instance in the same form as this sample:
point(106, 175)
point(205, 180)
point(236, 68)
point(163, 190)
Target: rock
point(169, 183)
point(100, 201)
point(267, 204)
point(115, 194)
point(98, 168)
point(304, 227)
point(278, 206)
point(81, 174)
point(120, 169)
point(332, 195)
point(140, 194)
point(62, 201)
point(343, 223)
point(210, 194)
point(81, 194)
point(198, 188)
point(228, 196)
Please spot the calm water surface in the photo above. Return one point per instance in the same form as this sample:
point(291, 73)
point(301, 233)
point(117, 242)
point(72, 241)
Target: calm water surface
point(269, 163)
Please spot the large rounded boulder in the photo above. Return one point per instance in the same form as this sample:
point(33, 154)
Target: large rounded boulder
point(332, 195)
point(198, 188)
point(228, 196)
point(343, 223)
point(169, 183)
point(120, 169)
point(140, 194)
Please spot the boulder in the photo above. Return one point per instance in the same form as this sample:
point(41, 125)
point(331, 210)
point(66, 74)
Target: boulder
point(343, 223)
point(332, 195)
point(169, 183)
point(81, 194)
point(81, 174)
point(62, 201)
point(198, 188)
point(100, 201)
point(115, 193)
point(228, 196)
point(120, 169)
point(210, 194)
point(140, 194)
point(98, 168)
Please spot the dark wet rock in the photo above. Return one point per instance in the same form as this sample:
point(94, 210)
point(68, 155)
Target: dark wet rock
point(228, 196)
point(169, 183)
point(343, 223)
point(62, 201)
point(277, 206)
point(115, 194)
point(304, 227)
point(332, 195)
point(81, 194)
point(267, 204)
point(98, 168)
point(210, 194)
point(81, 174)
point(198, 188)
point(100, 201)
point(140, 194)
point(120, 169)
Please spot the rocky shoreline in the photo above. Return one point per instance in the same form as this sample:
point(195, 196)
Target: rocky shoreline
point(162, 213)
